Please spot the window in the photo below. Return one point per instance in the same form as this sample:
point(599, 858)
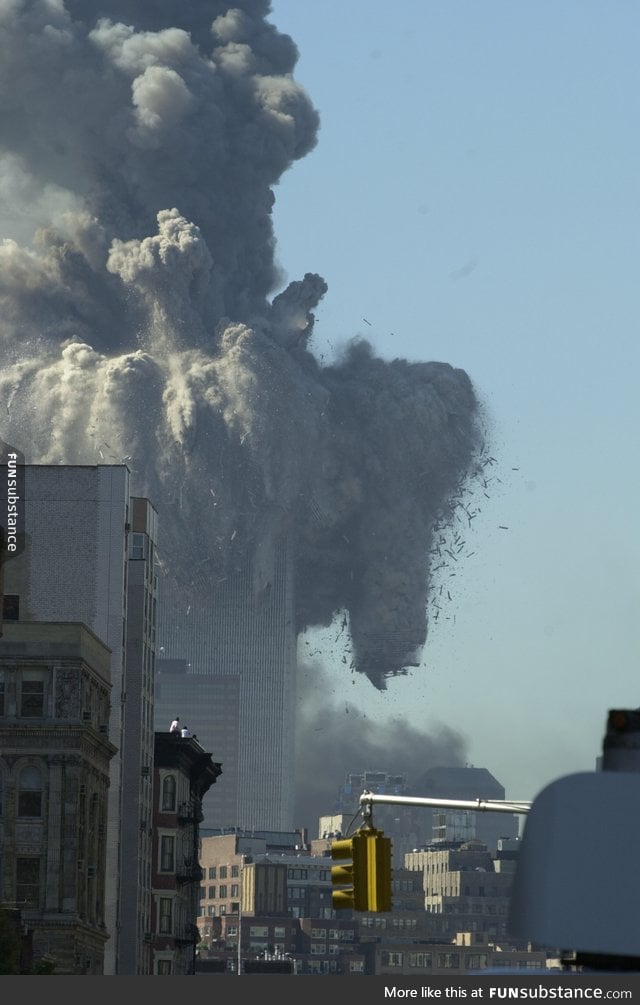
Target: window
point(223, 872)
point(167, 853)
point(476, 961)
point(139, 546)
point(32, 694)
point(30, 793)
point(234, 890)
point(28, 881)
point(448, 960)
point(212, 892)
point(169, 793)
point(356, 966)
point(235, 871)
point(165, 916)
point(391, 959)
point(259, 931)
point(164, 968)
point(424, 960)
point(211, 911)
point(223, 908)
point(223, 890)
point(212, 872)
point(1, 697)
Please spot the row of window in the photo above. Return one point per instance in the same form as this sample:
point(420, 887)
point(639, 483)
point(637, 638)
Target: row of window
point(223, 891)
point(223, 871)
point(221, 910)
point(346, 934)
point(442, 961)
point(375, 921)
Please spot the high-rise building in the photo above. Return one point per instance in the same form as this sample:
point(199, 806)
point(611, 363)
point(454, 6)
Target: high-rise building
point(235, 628)
point(209, 705)
point(135, 904)
point(89, 558)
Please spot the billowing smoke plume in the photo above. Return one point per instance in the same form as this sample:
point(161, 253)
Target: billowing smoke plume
point(140, 144)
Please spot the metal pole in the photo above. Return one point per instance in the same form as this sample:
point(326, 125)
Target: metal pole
point(239, 961)
point(367, 799)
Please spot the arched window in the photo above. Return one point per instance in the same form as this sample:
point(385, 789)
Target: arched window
point(30, 793)
point(169, 793)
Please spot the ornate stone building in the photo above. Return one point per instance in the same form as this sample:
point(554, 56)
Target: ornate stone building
point(54, 780)
point(183, 772)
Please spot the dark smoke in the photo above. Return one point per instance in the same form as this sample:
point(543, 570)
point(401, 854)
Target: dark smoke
point(335, 737)
point(140, 144)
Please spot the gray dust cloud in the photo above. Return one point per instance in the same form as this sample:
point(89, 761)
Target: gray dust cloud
point(139, 320)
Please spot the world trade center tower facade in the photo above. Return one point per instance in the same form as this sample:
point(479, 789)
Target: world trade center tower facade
point(233, 628)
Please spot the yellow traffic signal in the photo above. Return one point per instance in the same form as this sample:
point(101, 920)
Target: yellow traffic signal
point(379, 872)
point(349, 878)
point(363, 881)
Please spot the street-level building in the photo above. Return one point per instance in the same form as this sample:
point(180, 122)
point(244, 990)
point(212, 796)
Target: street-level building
point(183, 772)
point(54, 781)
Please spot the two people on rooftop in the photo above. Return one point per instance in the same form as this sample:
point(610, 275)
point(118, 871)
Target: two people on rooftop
point(177, 729)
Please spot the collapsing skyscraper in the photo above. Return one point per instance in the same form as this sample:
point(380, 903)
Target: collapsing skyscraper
point(141, 328)
point(248, 638)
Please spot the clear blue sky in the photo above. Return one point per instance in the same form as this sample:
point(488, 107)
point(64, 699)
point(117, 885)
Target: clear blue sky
point(475, 195)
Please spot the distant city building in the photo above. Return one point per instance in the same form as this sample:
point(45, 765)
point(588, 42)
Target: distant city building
point(183, 773)
point(461, 884)
point(209, 705)
point(406, 826)
point(465, 783)
point(460, 932)
point(54, 781)
point(89, 558)
point(243, 627)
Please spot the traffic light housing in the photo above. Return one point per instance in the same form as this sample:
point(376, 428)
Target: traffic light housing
point(362, 880)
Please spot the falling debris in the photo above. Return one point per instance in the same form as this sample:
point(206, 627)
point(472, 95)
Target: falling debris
point(146, 312)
